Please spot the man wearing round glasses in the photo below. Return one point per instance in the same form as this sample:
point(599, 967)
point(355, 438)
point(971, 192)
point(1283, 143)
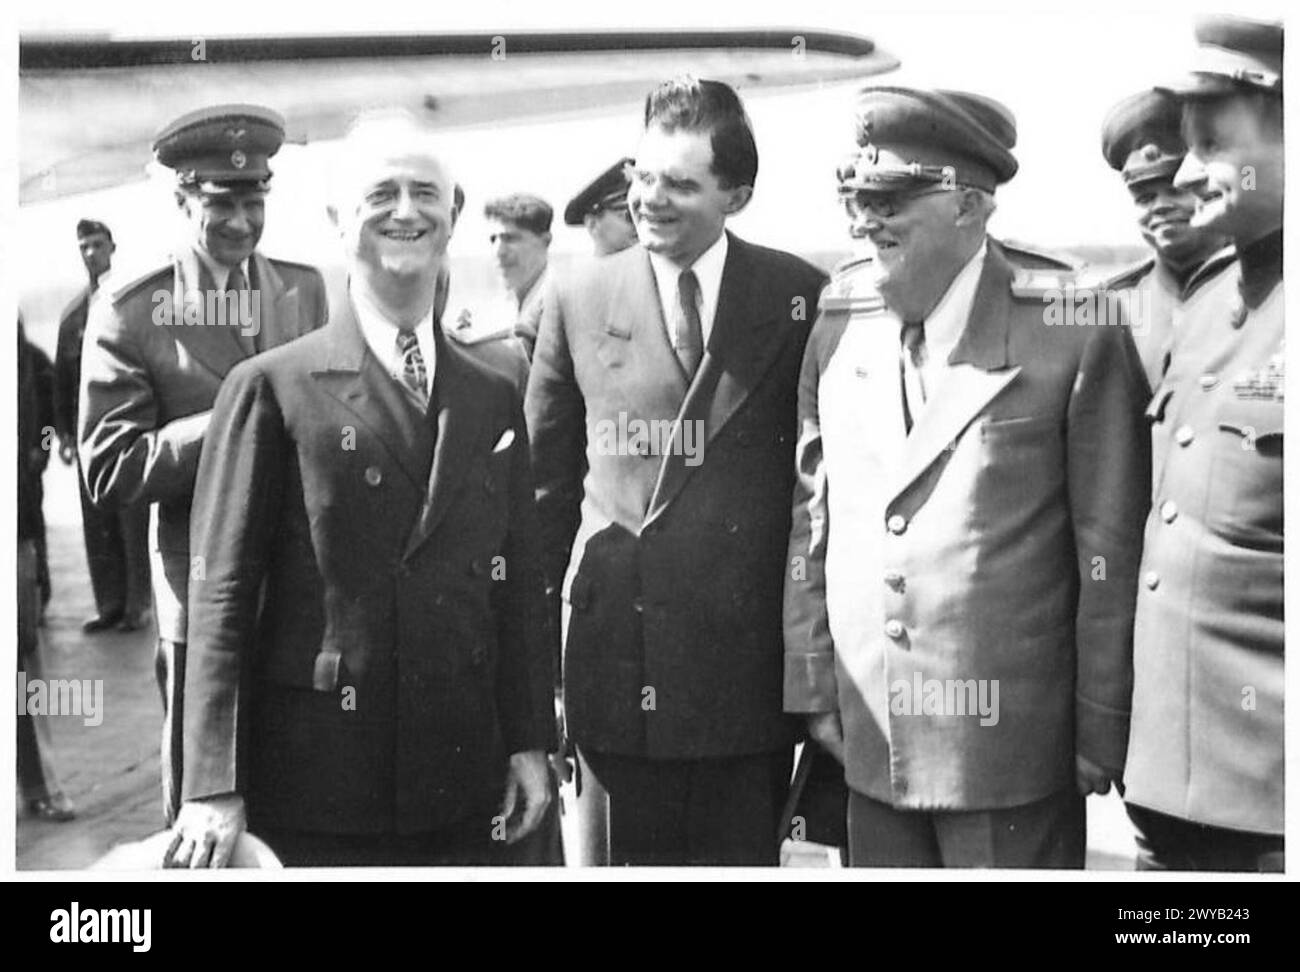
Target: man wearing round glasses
point(972, 482)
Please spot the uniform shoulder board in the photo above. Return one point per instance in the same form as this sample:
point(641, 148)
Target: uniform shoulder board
point(293, 265)
point(1032, 257)
point(851, 288)
point(1121, 279)
point(134, 285)
point(1035, 284)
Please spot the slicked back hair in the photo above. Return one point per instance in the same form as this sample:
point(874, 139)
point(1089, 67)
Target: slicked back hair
point(527, 212)
point(690, 104)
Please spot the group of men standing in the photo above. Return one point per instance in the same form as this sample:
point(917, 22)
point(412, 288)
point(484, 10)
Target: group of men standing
point(913, 522)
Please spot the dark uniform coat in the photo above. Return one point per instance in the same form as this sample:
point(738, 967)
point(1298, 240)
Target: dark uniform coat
point(372, 572)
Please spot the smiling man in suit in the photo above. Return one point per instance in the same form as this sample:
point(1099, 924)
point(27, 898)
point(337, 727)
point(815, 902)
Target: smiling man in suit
point(661, 405)
point(372, 585)
point(157, 350)
point(968, 515)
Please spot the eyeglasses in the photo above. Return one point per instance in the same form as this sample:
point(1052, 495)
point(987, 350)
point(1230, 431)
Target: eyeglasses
point(859, 203)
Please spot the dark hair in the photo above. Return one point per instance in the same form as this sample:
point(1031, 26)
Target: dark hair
point(528, 212)
point(92, 227)
point(708, 106)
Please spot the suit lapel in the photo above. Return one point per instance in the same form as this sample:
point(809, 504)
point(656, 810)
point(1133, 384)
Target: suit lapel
point(353, 377)
point(277, 310)
point(745, 339)
point(979, 369)
point(461, 420)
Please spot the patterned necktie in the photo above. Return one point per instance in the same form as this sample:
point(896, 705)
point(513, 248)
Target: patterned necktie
point(910, 361)
point(414, 374)
point(689, 340)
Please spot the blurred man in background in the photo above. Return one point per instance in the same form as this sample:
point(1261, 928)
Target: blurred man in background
point(519, 229)
point(1141, 140)
point(117, 541)
point(601, 207)
point(1206, 770)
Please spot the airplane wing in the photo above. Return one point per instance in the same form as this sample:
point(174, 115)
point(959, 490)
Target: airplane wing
point(90, 106)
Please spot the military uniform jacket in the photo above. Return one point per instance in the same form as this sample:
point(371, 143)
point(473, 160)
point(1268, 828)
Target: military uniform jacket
point(673, 648)
point(997, 544)
point(67, 362)
point(148, 380)
point(372, 573)
point(1208, 651)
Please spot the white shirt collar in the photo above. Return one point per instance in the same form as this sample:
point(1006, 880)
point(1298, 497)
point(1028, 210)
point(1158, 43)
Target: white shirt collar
point(220, 273)
point(708, 269)
point(381, 337)
point(945, 324)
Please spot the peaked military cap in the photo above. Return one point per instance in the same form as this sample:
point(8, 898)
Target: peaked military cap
point(1141, 137)
point(909, 136)
point(1232, 53)
point(221, 146)
point(607, 189)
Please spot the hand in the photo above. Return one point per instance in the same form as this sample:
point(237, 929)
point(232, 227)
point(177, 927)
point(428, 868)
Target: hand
point(67, 451)
point(530, 778)
point(205, 832)
point(1093, 779)
point(826, 730)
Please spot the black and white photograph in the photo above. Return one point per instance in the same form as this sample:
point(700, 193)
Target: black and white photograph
point(564, 440)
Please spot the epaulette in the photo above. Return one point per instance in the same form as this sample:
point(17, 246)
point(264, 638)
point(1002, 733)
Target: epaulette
point(852, 288)
point(1035, 284)
point(1122, 279)
point(294, 265)
point(1217, 262)
point(139, 283)
point(1033, 257)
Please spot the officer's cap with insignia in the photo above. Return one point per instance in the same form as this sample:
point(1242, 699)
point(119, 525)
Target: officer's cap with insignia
point(1141, 137)
point(1233, 54)
point(607, 190)
point(221, 148)
point(910, 137)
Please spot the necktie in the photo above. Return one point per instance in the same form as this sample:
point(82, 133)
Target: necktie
point(414, 374)
point(688, 342)
point(910, 361)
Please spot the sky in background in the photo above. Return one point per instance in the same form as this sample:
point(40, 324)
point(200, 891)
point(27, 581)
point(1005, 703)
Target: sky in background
point(1058, 68)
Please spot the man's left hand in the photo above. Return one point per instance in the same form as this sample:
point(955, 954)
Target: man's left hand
point(1093, 779)
point(528, 779)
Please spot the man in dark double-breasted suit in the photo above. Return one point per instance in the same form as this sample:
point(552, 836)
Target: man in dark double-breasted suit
point(661, 407)
point(371, 586)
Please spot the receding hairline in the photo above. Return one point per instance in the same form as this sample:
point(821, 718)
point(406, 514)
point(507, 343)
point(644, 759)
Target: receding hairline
point(372, 143)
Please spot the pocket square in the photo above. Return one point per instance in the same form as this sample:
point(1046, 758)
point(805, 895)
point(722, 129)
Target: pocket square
point(507, 439)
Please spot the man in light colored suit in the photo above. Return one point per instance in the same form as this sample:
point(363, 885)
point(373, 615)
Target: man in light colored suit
point(972, 479)
point(373, 591)
point(157, 349)
point(661, 405)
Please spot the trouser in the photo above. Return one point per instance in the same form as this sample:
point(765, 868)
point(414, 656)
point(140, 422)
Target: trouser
point(465, 844)
point(169, 668)
point(1047, 833)
point(35, 770)
point(1168, 843)
point(117, 556)
point(714, 811)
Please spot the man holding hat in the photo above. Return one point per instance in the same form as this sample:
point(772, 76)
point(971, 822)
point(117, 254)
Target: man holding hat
point(602, 208)
point(157, 349)
point(117, 541)
point(972, 481)
point(1205, 776)
point(1141, 140)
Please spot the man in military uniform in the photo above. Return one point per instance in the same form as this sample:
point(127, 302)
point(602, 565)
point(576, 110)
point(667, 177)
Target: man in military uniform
point(157, 349)
point(971, 488)
point(1205, 774)
point(602, 208)
point(117, 541)
point(1141, 140)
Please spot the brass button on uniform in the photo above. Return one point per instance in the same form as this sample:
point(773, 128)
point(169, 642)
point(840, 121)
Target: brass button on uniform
point(374, 475)
point(1151, 579)
point(894, 628)
point(1169, 511)
point(896, 524)
point(1184, 435)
